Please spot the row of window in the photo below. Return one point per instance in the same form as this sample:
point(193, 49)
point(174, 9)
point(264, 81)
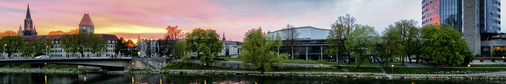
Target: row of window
point(496, 15)
point(493, 60)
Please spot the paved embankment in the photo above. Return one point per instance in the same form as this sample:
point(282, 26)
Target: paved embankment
point(38, 71)
point(476, 76)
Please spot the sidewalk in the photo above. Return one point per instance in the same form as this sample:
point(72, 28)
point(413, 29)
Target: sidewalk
point(500, 73)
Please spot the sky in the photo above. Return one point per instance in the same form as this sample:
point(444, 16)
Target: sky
point(149, 18)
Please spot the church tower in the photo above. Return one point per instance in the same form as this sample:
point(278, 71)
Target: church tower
point(86, 25)
point(29, 29)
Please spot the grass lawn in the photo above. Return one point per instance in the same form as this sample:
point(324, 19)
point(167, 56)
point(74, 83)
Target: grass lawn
point(405, 70)
point(232, 59)
point(192, 66)
point(301, 61)
point(496, 65)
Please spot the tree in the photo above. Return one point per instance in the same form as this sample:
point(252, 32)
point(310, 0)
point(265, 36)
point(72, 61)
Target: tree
point(339, 32)
point(130, 46)
point(260, 50)
point(404, 37)
point(290, 35)
point(120, 46)
point(180, 48)
point(362, 42)
point(444, 45)
point(59, 32)
point(204, 42)
point(37, 47)
point(8, 33)
point(173, 35)
point(83, 42)
point(12, 44)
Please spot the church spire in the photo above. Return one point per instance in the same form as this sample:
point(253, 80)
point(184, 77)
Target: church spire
point(20, 31)
point(224, 36)
point(28, 25)
point(28, 12)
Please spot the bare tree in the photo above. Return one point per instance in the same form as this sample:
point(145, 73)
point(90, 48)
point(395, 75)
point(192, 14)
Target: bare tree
point(290, 35)
point(340, 31)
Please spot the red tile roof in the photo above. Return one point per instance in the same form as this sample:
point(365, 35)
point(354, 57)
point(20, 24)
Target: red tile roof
point(86, 20)
point(57, 37)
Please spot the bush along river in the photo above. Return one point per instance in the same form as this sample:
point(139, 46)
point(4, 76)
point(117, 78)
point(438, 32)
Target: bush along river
point(103, 78)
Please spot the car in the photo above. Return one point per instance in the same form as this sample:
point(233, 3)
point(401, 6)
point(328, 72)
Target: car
point(42, 57)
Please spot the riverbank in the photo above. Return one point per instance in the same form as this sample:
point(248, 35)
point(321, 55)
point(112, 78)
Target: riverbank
point(501, 75)
point(33, 70)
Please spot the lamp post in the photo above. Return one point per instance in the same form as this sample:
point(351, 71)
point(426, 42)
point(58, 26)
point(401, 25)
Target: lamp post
point(372, 60)
point(392, 68)
point(321, 70)
point(46, 50)
point(468, 68)
point(5, 45)
point(503, 60)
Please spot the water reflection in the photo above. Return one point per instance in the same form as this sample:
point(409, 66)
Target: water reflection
point(51, 78)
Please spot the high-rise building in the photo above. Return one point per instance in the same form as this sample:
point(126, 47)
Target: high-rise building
point(29, 29)
point(86, 25)
point(478, 20)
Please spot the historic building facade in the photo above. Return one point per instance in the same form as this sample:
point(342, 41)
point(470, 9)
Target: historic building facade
point(58, 51)
point(29, 28)
point(86, 25)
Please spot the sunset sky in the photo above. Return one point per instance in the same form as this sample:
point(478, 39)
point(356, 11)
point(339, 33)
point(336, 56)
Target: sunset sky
point(149, 18)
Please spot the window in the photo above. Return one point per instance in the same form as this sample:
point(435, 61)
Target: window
point(493, 60)
point(481, 60)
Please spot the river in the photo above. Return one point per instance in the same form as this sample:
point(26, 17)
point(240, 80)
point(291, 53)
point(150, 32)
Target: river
point(60, 78)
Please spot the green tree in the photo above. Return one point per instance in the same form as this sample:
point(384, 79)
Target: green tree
point(180, 48)
point(83, 42)
point(37, 47)
point(120, 46)
point(404, 38)
point(362, 42)
point(173, 36)
point(338, 33)
point(12, 44)
point(204, 42)
point(260, 50)
point(444, 45)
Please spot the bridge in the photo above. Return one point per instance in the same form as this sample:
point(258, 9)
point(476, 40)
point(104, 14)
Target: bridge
point(106, 64)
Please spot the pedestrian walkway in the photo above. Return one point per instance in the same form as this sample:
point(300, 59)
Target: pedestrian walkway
point(407, 64)
point(503, 73)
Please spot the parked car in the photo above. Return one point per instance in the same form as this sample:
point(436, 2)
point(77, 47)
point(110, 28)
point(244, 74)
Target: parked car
point(42, 57)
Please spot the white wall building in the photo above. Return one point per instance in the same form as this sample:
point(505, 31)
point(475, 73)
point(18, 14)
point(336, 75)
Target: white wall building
point(310, 44)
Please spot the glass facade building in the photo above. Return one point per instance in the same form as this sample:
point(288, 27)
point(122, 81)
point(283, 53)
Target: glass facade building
point(442, 12)
point(489, 16)
point(478, 20)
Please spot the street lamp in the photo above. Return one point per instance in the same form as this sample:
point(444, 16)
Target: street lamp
point(503, 60)
point(46, 50)
point(321, 67)
point(392, 68)
point(372, 60)
point(468, 68)
point(5, 45)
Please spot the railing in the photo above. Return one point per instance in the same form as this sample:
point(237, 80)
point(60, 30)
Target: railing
point(24, 58)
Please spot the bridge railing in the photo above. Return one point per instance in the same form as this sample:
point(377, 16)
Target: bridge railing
point(21, 58)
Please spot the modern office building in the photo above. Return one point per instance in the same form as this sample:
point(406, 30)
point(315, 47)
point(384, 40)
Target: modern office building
point(310, 44)
point(478, 20)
